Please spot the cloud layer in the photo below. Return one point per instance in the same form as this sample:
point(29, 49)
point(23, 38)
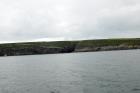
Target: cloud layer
point(26, 20)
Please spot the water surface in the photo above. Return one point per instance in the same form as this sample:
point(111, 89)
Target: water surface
point(91, 72)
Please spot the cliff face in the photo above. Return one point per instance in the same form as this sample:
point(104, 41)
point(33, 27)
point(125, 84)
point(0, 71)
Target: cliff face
point(106, 48)
point(33, 48)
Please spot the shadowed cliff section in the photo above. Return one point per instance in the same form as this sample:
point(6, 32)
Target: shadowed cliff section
point(32, 48)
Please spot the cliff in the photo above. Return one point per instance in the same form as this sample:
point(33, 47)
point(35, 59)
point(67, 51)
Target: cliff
point(32, 48)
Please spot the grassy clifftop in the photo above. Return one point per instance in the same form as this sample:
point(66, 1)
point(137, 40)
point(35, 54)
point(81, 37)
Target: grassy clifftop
point(29, 48)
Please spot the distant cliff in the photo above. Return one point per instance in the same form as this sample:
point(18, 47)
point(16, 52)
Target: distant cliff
point(32, 48)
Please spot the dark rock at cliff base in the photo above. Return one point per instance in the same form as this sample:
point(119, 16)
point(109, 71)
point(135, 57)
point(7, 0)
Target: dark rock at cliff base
point(32, 48)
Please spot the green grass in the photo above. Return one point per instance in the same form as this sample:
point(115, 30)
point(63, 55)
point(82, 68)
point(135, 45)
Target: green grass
point(108, 42)
point(83, 43)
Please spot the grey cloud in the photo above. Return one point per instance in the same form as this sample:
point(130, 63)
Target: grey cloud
point(25, 20)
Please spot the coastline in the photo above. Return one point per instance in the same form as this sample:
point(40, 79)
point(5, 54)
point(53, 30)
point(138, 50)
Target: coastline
point(34, 48)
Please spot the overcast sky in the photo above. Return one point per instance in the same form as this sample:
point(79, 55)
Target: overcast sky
point(39, 20)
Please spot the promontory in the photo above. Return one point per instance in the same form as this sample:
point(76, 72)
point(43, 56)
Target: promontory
point(32, 48)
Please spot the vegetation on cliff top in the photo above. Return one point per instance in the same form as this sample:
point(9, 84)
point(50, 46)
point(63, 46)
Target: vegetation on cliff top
point(29, 48)
point(83, 43)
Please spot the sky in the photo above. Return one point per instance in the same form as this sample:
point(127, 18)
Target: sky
point(54, 20)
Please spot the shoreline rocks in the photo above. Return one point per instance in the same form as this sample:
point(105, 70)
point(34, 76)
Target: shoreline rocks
point(33, 48)
point(53, 50)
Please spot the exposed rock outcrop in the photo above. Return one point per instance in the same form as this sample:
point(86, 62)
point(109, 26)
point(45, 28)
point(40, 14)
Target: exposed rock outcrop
point(33, 48)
